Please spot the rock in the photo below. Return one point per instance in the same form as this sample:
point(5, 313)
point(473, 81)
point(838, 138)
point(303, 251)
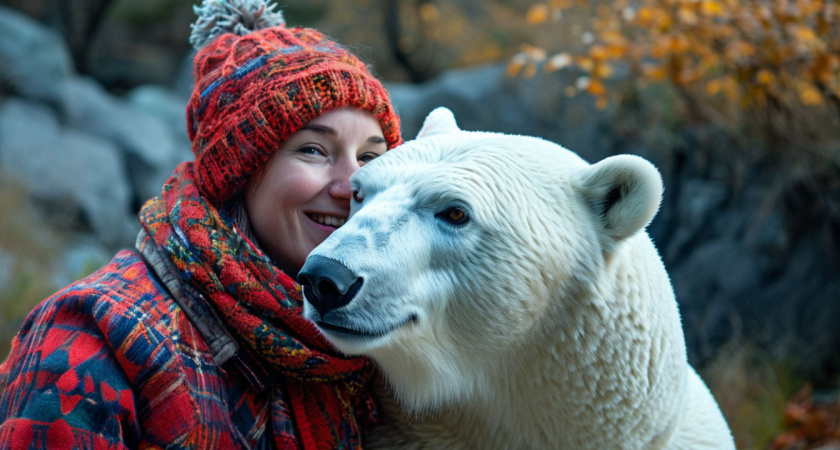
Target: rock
point(66, 169)
point(167, 106)
point(83, 256)
point(150, 150)
point(34, 59)
point(484, 98)
point(7, 262)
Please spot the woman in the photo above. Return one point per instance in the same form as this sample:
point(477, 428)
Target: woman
point(195, 340)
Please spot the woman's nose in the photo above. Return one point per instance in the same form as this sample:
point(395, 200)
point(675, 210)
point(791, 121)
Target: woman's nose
point(340, 186)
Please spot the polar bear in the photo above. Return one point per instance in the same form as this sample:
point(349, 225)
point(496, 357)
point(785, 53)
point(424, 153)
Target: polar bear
point(511, 298)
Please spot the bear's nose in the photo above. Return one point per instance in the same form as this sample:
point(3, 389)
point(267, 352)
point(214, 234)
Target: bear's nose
point(328, 284)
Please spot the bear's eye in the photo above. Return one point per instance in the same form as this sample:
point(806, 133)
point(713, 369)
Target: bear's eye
point(357, 196)
point(454, 215)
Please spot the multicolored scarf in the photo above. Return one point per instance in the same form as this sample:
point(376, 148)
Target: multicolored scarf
point(322, 393)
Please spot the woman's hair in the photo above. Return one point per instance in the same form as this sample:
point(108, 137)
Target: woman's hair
point(237, 210)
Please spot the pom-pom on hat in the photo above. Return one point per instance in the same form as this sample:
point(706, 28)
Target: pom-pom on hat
point(258, 82)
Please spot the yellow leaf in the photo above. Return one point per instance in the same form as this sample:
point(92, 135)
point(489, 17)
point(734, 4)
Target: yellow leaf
point(515, 66)
point(809, 95)
point(530, 69)
point(561, 4)
point(687, 16)
point(764, 77)
point(538, 13)
point(585, 64)
point(617, 51)
point(805, 34)
point(678, 44)
point(596, 87)
point(601, 103)
point(654, 72)
point(428, 12)
point(711, 8)
point(602, 70)
point(612, 37)
point(598, 52)
point(645, 17)
point(533, 53)
point(713, 87)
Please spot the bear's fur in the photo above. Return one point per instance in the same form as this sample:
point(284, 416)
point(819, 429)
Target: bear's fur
point(511, 298)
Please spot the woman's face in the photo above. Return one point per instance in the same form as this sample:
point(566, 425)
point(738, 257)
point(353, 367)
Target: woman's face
point(304, 193)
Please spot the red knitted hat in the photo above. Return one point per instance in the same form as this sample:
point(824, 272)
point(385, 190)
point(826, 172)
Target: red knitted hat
point(258, 82)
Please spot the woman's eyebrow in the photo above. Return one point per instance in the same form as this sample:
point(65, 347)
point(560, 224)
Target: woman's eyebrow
point(323, 129)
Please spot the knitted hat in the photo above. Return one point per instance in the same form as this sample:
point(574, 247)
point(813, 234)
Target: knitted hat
point(258, 82)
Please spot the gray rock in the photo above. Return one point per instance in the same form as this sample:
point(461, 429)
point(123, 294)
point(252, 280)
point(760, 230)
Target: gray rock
point(150, 150)
point(184, 79)
point(33, 58)
point(696, 208)
point(64, 168)
point(7, 262)
point(484, 98)
point(167, 106)
point(82, 257)
point(163, 103)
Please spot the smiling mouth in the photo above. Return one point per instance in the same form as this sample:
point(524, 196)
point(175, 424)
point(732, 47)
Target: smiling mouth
point(354, 333)
point(329, 221)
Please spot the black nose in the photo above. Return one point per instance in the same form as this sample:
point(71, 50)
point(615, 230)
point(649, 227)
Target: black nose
point(327, 283)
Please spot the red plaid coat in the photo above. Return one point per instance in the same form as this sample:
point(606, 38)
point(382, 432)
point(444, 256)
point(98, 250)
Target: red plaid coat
point(112, 362)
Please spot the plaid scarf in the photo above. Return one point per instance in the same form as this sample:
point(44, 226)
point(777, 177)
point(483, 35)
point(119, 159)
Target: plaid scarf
point(318, 396)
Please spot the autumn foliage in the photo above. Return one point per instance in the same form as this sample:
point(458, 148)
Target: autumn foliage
point(810, 424)
point(750, 53)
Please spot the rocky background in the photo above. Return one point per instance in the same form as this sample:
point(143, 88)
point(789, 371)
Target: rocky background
point(752, 242)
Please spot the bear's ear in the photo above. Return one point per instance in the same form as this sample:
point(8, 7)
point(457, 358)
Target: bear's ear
point(623, 192)
point(439, 121)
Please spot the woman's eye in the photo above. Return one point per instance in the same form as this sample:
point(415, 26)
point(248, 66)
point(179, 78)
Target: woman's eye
point(310, 150)
point(367, 157)
point(454, 215)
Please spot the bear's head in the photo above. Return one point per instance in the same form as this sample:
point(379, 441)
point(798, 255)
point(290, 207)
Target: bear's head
point(464, 246)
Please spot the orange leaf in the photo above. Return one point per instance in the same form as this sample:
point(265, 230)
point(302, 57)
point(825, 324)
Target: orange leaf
point(598, 52)
point(809, 95)
point(687, 16)
point(654, 72)
point(515, 65)
point(711, 8)
point(612, 37)
point(585, 64)
point(538, 13)
point(597, 88)
point(764, 77)
point(601, 103)
point(429, 12)
point(645, 17)
point(713, 87)
point(530, 69)
point(561, 4)
point(602, 70)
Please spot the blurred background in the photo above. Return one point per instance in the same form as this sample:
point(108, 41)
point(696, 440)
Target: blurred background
point(737, 103)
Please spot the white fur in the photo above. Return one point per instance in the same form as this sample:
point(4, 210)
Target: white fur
point(545, 321)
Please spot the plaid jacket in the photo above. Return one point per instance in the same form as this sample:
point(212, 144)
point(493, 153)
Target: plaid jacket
point(113, 362)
